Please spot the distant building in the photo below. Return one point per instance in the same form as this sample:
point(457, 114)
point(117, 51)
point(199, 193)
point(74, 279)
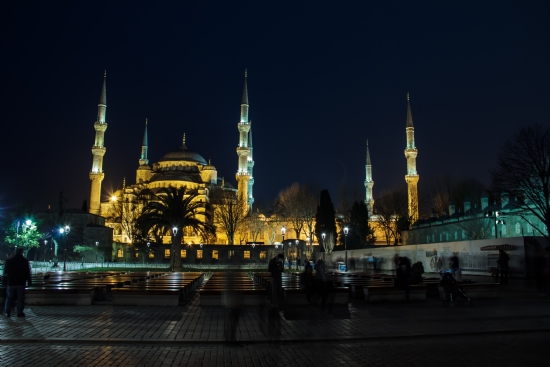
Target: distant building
point(505, 220)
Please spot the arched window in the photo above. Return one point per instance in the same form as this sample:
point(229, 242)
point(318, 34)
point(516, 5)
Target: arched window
point(504, 229)
point(446, 236)
point(427, 239)
point(456, 235)
point(529, 228)
point(441, 237)
point(463, 234)
point(518, 228)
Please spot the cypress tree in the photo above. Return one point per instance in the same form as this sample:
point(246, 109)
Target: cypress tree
point(325, 221)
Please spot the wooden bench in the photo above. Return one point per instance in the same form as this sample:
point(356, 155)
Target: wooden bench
point(74, 296)
point(146, 296)
point(297, 297)
point(378, 293)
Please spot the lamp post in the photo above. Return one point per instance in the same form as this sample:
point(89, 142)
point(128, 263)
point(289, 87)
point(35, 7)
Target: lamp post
point(45, 247)
point(324, 235)
point(172, 253)
point(346, 229)
point(308, 247)
point(96, 248)
point(283, 231)
point(65, 231)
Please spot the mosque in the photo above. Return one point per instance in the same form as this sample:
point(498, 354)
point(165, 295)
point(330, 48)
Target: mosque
point(184, 167)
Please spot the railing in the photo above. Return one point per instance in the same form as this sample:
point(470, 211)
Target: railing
point(225, 266)
point(41, 267)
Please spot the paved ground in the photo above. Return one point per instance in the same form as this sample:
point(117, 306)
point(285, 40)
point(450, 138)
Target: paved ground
point(505, 332)
point(517, 349)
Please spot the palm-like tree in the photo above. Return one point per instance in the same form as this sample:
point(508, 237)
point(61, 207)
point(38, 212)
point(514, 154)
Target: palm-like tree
point(175, 208)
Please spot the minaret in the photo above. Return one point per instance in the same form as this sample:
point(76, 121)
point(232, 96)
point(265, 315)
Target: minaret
point(98, 151)
point(369, 183)
point(243, 150)
point(412, 176)
point(143, 161)
point(250, 168)
point(144, 173)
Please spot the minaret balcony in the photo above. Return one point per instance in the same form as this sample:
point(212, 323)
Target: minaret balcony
point(98, 126)
point(97, 150)
point(243, 151)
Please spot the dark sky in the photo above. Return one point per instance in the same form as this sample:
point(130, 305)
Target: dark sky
point(323, 78)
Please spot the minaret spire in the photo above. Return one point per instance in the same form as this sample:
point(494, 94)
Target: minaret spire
point(369, 183)
point(144, 173)
point(412, 176)
point(98, 151)
point(243, 150)
point(143, 161)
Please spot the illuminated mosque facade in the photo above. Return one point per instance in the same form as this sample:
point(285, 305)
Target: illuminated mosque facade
point(184, 167)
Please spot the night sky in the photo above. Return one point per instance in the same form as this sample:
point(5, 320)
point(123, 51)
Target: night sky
point(322, 78)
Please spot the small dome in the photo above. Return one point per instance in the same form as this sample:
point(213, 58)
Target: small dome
point(183, 154)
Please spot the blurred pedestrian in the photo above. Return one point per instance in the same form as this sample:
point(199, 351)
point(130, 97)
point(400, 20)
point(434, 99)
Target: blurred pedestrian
point(306, 281)
point(276, 269)
point(324, 285)
point(546, 269)
point(403, 273)
point(504, 266)
point(18, 274)
point(231, 299)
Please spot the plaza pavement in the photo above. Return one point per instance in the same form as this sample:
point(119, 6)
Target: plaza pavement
point(516, 324)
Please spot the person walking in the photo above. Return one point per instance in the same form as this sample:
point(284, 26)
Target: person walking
point(546, 269)
point(306, 281)
point(324, 285)
point(276, 269)
point(17, 272)
point(504, 265)
point(298, 264)
point(402, 279)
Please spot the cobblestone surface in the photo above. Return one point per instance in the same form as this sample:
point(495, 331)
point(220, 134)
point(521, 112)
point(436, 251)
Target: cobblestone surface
point(520, 349)
point(194, 323)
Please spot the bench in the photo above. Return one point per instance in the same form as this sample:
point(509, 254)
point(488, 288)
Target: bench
point(297, 297)
point(146, 296)
point(378, 293)
point(77, 296)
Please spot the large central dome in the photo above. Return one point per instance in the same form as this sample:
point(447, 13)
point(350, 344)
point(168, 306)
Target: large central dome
point(183, 154)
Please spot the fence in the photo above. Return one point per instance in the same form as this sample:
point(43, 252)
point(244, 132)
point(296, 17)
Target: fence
point(41, 267)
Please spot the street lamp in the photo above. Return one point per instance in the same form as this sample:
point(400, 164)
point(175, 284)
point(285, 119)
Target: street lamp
point(309, 246)
point(96, 247)
point(324, 235)
point(346, 229)
point(283, 231)
point(65, 231)
point(172, 253)
point(45, 246)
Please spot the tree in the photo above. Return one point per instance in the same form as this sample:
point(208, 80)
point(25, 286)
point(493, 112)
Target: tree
point(230, 212)
point(328, 242)
point(476, 226)
point(255, 224)
point(84, 250)
point(125, 211)
point(297, 204)
point(393, 214)
point(523, 170)
point(175, 209)
point(325, 221)
point(361, 233)
point(23, 233)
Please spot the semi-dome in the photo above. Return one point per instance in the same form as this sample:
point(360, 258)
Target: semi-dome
point(183, 154)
